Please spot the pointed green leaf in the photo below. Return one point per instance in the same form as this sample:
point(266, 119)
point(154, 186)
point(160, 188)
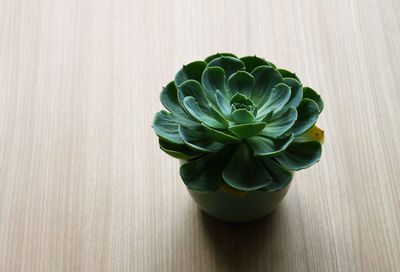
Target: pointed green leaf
point(204, 174)
point(308, 112)
point(252, 62)
point(280, 176)
point(192, 70)
point(278, 98)
point(264, 146)
point(166, 127)
point(242, 82)
point(277, 127)
point(179, 151)
point(197, 138)
point(245, 172)
point(215, 56)
point(247, 130)
point(194, 89)
point(214, 113)
point(199, 114)
point(288, 74)
point(223, 103)
point(311, 94)
point(300, 155)
point(213, 79)
point(170, 101)
point(296, 92)
point(229, 64)
point(220, 136)
point(242, 116)
point(266, 77)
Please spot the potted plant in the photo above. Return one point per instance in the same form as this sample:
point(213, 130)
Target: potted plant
point(240, 127)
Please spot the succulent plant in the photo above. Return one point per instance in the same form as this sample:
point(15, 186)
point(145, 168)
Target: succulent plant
point(239, 123)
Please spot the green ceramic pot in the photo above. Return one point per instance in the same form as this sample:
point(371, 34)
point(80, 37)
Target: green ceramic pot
point(252, 206)
point(227, 207)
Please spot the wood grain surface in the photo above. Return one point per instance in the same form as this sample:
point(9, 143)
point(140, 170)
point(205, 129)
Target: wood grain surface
point(84, 186)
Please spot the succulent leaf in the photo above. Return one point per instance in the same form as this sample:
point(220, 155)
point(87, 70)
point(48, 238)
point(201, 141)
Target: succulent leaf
point(246, 172)
point(252, 62)
point(205, 173)
point(280, 176)
point(247, 130)
point(230, 64)
point(212, 57)
point(296, 92)
point(203, 116)
point(223, 104)
point(287, 74)
point(300, 155)
point(213, 79)
point(266, 77)
point(242, 82)
point(193, 71)
point(265, 146)
point(166, 127)
point(308, 112)
point(311, 94)
point(277, 127)
point(179, 151)
point(221, 136)
point(192, 88)
point(242, 116)
point(313, 134)
point(278, 98)
point(198, 139)
point(243, 124)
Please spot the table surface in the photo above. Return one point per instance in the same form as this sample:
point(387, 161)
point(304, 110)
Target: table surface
point(84, 186)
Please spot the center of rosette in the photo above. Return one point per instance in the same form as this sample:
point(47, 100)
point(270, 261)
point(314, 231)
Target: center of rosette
point(243, 109)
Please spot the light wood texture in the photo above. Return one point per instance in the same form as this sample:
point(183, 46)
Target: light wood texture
point(84, 186)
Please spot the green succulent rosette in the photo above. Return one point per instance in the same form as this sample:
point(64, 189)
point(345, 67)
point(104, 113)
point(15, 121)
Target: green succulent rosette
point(240, 123)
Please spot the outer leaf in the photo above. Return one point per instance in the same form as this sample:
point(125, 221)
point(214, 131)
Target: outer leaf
point(194, 89)
point(198, 139)
point(245, 172)
point(311, 94)
point(247, 130)
point(170, 101)
point(300, 155)
point(229, 64)
point(213, 79)
point(166, 127)
point(313, 134)
point(264, 146)
point(192, 70)
point(277, 127)
point(278, 98)
point(242, 82)
point(288, 74)
point(199, 114)
point(280, 176)
point(252, 62)
point(223, 104)
point(179, 151)
point(296, 92)
point(215, 56)
point(196, 178)
point(220, 136)
point(308, 112)
point(266, 77)
point(242, 116)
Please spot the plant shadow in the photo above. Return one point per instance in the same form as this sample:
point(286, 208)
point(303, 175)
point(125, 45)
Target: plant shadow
point(253, 246)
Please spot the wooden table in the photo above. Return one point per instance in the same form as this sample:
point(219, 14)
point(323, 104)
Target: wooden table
point(84, 186)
